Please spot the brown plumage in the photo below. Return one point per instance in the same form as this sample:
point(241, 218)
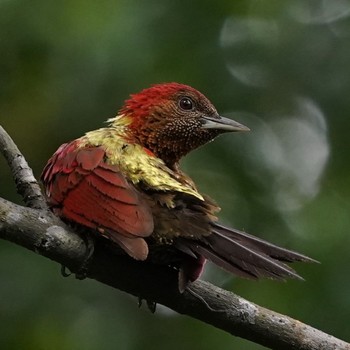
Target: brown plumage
point(124, 181)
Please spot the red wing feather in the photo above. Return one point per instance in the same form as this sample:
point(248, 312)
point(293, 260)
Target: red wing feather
point(83, 188)
point(90, 158)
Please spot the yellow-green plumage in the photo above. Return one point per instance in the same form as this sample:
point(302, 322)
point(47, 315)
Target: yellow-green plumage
point(133, 160)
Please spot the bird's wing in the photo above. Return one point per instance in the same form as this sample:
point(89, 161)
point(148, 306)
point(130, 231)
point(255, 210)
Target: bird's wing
point(81, 186)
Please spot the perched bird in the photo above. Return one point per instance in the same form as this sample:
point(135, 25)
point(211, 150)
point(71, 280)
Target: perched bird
point(124, 182)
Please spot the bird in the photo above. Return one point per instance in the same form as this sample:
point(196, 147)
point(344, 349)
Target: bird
point(124, 183)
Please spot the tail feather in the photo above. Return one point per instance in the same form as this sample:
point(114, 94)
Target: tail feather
point(245, 255)
point(259, 244)
point(219, 261)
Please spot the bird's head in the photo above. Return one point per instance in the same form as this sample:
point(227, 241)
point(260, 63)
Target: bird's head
point(172, 119)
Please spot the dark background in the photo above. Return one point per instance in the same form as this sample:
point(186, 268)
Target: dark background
point(280, 67)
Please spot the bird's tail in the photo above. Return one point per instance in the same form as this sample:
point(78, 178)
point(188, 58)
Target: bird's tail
point(245, 255)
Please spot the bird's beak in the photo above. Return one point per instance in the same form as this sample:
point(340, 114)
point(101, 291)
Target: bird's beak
point(222, 123)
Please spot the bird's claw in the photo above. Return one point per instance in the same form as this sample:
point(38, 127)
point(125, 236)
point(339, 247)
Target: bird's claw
point(84, 267)
point(64, 272)
point(151, 305)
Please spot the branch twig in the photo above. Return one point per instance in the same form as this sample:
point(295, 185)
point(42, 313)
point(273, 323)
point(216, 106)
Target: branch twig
point(27, 185)
point(42, 232)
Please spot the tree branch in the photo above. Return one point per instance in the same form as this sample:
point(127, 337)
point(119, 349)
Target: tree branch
point(37, 229)
point(27, 185)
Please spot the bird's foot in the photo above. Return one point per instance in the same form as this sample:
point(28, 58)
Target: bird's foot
point(64, 271)
point(151, 305)
point(84, 267)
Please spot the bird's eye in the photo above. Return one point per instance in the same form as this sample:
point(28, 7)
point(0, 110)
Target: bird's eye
point(186, 104)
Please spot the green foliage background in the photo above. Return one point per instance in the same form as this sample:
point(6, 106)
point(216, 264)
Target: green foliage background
point(280, 67)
